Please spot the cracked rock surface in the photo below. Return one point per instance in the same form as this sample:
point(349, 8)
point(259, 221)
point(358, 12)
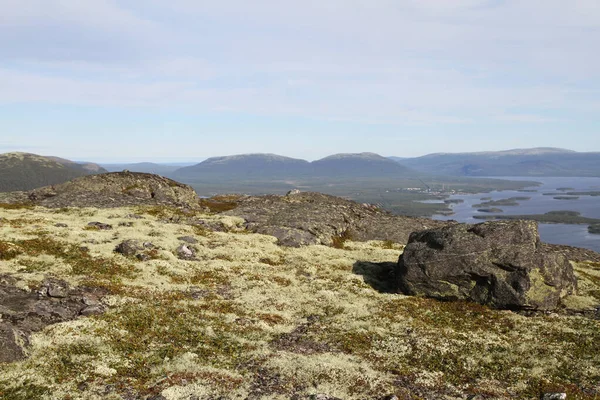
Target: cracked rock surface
point(24, 312)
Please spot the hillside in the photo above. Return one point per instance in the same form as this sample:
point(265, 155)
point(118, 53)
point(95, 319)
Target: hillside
point(147, 167)
point(272, 166)
point(358, 165)
point(171, 303)
point(25, 171)
point(245, 166)
point(519, 162)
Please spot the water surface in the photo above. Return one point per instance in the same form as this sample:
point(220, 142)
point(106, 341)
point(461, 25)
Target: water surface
point(573, 235)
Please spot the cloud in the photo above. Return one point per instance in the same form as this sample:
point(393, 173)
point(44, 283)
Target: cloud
point(379, 61)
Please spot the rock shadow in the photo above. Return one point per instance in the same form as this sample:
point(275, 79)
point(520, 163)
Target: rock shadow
point(380, 276)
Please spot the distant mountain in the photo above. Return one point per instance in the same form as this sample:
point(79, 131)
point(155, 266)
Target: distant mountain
point(541, 161)
point(26, 171)
point(358, 165)
point(245, 166)
point(147, 167)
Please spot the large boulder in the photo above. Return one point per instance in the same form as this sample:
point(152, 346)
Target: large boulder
point(500, 264)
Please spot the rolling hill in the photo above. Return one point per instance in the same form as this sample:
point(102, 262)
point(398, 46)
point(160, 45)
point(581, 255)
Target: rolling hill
point(541, 161)
point(272, 166)
point(26, 171)
point(358, 165)
point(245, 166)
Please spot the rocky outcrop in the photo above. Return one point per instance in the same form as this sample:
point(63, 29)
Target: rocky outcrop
point(114, 189)
point(24, 312)
point(501, 264)
point(306, 218)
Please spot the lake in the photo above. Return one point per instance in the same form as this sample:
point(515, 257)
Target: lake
point(573, 235)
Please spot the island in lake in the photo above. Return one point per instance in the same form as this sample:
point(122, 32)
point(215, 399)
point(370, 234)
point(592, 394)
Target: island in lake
point(566, 197)
point(490, 210)
point(552, 217)
point(513, 201)
point(454, 201)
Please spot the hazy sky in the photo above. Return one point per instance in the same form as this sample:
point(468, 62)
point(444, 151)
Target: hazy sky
point(117, 80)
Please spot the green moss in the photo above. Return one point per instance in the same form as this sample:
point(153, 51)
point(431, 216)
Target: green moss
point(539, 292)
point(147, 334)
point(8, 250)
point(15, 206)
point(218, 204)
point(81, 262)
point(338, 241)
point(22, 391)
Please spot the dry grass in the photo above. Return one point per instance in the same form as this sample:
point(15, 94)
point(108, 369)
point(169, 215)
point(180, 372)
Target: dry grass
point(250, 319)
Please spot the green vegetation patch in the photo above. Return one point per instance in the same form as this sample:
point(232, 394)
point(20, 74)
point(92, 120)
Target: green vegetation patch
point(9, 250)
point(81, 262)
point(146, 335)
point(219, 204)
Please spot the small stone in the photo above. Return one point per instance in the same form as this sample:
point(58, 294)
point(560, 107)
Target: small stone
point(292, 192)
point(127, 224)
point(92, 310)
point(185, 253)
point(100, 225)
point(61, 225)
point(56, 288)
point(390, 397)
point(323, 396)
point(188, 239)
point(143, 257)
point(129, 247)
point(89, 301)
point(554, 396)
point(134, 216)
point(148, 245)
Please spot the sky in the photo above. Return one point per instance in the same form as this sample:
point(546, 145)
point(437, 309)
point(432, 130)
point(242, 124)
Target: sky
point(183, 80)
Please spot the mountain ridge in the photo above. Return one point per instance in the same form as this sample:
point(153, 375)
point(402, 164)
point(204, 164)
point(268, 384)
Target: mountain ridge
point(26, 171)
point(539, 161)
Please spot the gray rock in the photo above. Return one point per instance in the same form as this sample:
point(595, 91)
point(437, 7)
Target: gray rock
point(313, 218)
point(143, 257)
point(9, 343)
point(500, 264)
point(185, 253)
point(61, 225)
point(56, 288)
point(129, 247)
point(100, 225)
point(188, 239)
point(116, 189)
point(92, 310)
point(323, 396)
point(26, 312)
point(554, 396)
point(134, 216)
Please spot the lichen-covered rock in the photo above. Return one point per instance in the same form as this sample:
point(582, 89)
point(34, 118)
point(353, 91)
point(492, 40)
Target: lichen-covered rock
point(113, 189)
point(129, 247)
point(500, 264)
point(185, 252)
point(100, 226)
point(24, 312)
point(305, 218)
